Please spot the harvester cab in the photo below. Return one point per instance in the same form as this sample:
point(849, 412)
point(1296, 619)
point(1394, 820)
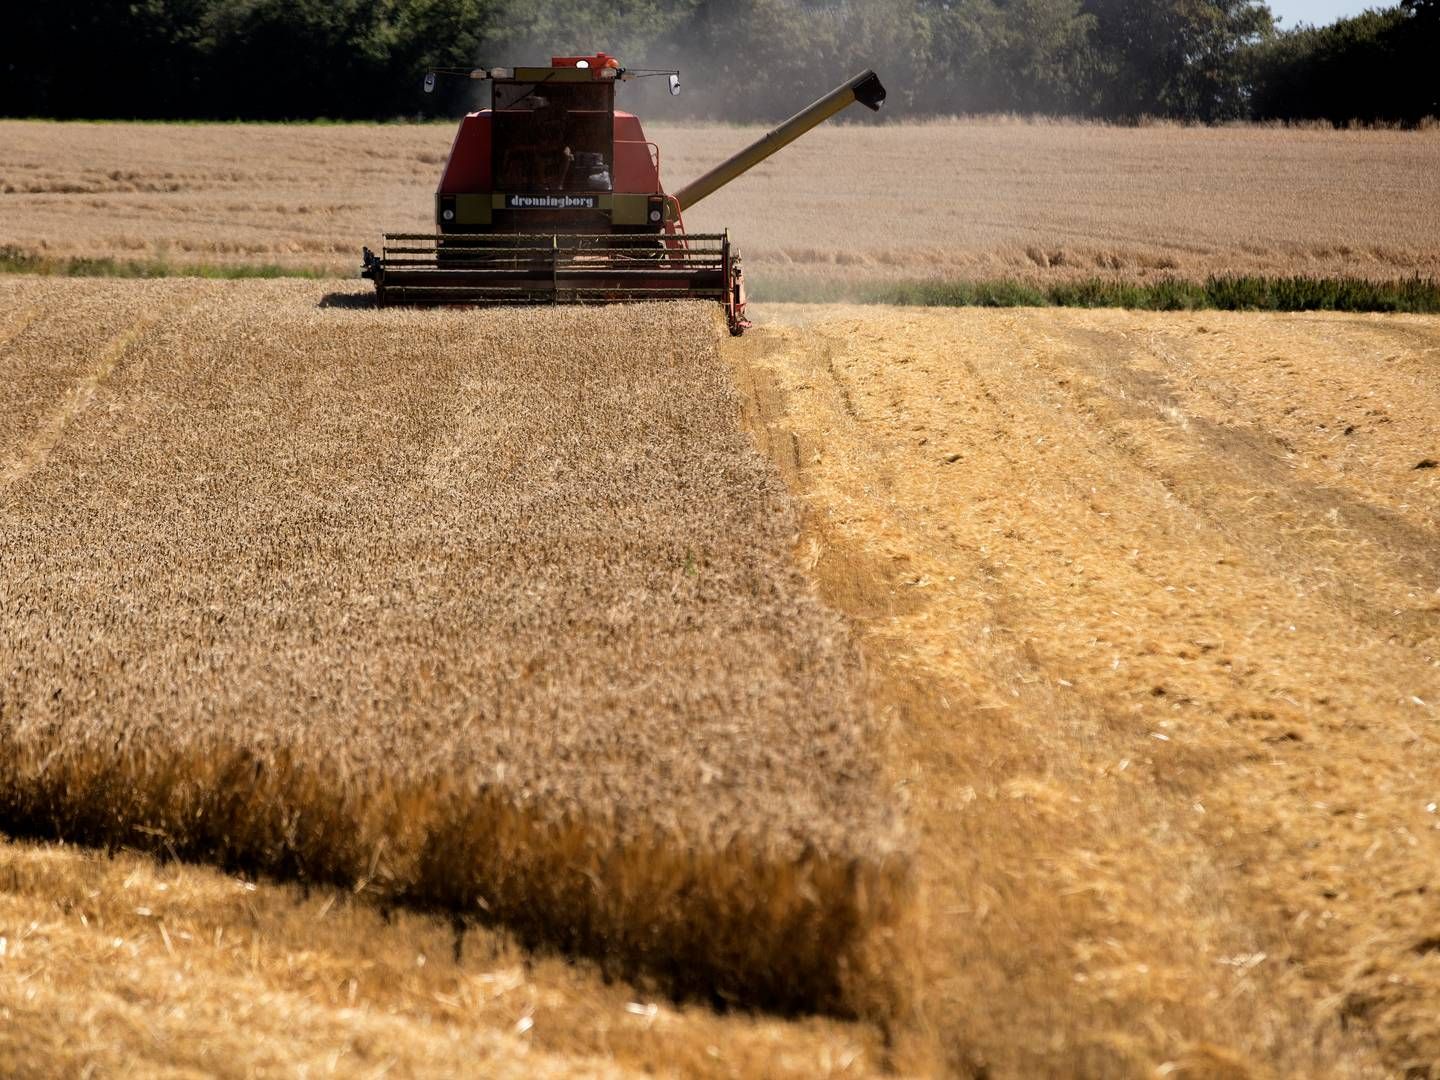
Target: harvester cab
point(551, 196)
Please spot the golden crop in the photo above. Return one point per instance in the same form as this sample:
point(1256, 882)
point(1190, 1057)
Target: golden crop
point(490, 611)
point(966, 199)
point(1154, 601)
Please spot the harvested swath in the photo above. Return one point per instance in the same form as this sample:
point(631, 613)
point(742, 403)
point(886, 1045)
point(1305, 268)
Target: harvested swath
point(146, 967)
point(492, 611)
point(1180, 571)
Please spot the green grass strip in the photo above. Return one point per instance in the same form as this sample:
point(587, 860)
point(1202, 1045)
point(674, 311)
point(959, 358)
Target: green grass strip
point(1220, 293)
point(14, 260)
point(1415, 295)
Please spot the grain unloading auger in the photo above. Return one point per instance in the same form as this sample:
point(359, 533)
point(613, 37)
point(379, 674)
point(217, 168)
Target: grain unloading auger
point(551, 196)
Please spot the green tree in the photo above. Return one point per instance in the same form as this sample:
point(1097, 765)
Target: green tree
point(532, 32)
point(1206, 60)
point(1042, 56)
point(1181, 58)
point(960, 74)
point(101, 58)
point(1379, 65)
point(762, 59)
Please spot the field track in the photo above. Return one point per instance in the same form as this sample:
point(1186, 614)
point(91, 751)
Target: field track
point(1153, 603)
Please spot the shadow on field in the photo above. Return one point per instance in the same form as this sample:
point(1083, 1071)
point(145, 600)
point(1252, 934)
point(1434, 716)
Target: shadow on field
point(738, 926)
point(347, 300)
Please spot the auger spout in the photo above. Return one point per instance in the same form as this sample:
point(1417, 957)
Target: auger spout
point(865, 89)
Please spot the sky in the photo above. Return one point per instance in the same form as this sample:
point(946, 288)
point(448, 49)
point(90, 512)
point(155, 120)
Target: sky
point(1321, 12)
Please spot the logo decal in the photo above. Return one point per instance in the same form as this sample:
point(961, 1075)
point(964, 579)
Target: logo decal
point(551, 202)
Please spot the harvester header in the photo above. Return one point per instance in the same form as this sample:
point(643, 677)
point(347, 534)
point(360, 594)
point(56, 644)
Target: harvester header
point(553, 196)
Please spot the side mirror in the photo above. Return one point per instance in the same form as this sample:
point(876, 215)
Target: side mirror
point(429, 82)
point(674, 85)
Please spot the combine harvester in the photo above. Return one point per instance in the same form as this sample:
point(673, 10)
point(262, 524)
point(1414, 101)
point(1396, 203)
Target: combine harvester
point(553, 197)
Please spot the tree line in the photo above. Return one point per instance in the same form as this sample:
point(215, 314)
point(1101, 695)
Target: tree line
point(743, 60)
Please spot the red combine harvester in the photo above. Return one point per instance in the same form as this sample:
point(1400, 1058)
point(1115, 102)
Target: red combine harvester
point(551, 196)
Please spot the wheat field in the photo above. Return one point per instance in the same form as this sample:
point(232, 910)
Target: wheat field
point(1045, 202)
point(1145, 609)
point(495, 615)
point(420, 693)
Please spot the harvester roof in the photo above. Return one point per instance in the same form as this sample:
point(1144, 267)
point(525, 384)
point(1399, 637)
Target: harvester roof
point(598, 68)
